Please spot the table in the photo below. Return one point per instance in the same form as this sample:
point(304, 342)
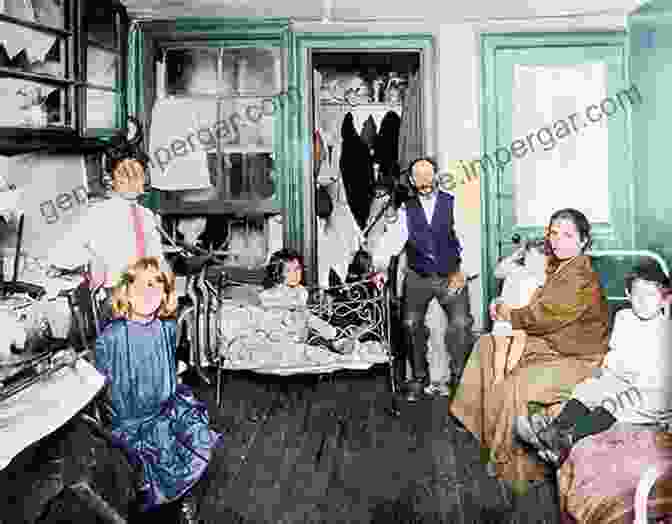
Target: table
point(45, 406)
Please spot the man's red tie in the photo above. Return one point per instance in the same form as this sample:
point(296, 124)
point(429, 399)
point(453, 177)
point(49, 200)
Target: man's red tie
point(136, 215)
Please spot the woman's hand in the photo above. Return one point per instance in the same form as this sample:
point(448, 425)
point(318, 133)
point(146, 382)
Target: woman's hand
point(457, 281)
point(500, 311)
point(379, 279)
point(493, 311)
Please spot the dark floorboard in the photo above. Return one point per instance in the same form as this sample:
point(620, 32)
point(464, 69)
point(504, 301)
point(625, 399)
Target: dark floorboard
point(303, 450)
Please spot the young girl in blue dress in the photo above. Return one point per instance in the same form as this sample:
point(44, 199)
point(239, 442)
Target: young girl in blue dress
point(163, 427)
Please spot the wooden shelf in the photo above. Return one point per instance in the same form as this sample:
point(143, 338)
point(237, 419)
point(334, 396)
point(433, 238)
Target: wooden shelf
point(43, 78)
point(218, 207)
point(62, 33)
point(248, 150)
point(364, 105)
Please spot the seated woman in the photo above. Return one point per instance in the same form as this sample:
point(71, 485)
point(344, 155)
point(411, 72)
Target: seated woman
point(637, 368)
point(164, 428)
point(567, 332)
point(524, 272)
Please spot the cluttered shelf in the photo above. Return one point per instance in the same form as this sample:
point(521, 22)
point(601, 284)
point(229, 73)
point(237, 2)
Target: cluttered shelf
point(220, 207)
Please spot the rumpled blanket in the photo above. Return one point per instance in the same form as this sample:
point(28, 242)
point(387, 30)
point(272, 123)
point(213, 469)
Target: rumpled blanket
point(597, 483)
point(274, 339)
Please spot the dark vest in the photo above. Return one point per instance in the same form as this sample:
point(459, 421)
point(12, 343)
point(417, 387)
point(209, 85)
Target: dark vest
point(432, 248)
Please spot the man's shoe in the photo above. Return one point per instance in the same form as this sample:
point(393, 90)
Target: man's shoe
point(414, 390)
point(438, 389)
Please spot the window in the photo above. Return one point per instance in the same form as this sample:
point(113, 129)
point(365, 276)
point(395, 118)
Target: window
point(36, 74)
point(43, 85)
point(242, 83)
point(103, 67)
point(576, 169)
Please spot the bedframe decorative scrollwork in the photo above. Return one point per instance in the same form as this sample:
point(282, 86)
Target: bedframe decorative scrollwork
point(358, 311)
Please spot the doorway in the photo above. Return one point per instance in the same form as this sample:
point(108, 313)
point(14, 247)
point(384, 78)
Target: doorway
point(367, 127)
point(373, 58)
point(556, 134)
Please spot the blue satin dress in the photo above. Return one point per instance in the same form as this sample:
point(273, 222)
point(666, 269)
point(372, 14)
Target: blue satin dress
point(161, 425)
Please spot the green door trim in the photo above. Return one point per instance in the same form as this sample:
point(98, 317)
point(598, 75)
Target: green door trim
point(300, 138)
point(491, 43)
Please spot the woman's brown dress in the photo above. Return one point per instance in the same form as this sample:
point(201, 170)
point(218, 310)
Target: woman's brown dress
point(567, 327)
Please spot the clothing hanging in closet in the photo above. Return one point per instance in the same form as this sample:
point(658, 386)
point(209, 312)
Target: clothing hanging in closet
point(339, 238)
point(357, 170)
point(369, 132)
point(411, 133)
point(386, 147)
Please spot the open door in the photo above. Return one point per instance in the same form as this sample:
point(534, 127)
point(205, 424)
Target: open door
point(557, 129)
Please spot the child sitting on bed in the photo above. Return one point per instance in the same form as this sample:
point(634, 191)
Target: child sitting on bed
point(163, 427)
point(287, 298)
point(523, 272)
point(634, 384)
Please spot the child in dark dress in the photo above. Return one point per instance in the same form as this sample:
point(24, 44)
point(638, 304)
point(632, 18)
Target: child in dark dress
point(162, 426)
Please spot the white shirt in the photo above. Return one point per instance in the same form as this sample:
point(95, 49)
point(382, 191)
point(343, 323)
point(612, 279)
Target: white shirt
point(396, 236)
point(105, 236)
point(641, 351)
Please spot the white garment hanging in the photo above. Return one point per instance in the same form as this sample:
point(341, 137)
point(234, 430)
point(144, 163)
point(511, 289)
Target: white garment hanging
point(183, 131)
point(337, 243)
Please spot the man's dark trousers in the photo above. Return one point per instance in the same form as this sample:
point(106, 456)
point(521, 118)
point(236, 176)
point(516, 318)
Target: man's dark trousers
point(419, 289)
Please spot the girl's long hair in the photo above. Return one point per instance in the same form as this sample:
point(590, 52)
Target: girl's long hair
point(121, 303)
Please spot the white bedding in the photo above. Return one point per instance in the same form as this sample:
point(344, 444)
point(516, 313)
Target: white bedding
point(273, 341)
point(316, 360)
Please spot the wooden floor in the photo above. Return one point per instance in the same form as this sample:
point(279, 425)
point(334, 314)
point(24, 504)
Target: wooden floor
point(299, 450)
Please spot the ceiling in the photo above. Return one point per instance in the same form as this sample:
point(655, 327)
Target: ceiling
point(448, 11)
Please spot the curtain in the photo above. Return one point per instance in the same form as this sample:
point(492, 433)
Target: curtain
point(135, 94)
point(294, 134)
point(411, 132)
point(136, 70)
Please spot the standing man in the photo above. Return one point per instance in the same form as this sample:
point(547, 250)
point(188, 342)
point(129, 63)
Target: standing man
point(113, 233)
point(426, 228)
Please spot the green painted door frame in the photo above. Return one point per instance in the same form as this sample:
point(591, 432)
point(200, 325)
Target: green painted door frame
point(650, 42)
point(500, 53)
point(300, 73)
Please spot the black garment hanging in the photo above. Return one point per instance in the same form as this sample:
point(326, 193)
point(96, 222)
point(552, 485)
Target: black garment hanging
point(357, 171)
point(369, 132)
point(386, 145)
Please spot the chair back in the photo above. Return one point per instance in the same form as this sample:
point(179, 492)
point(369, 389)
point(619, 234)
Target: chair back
point(613, 265)
point(646, 482)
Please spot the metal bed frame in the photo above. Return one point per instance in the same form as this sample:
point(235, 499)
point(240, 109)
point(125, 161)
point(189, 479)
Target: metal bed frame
point(356, 307)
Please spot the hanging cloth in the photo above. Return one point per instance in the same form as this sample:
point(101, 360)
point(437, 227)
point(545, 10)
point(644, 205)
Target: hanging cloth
point(182, 133)
point(357, 171)
point(411, 133)
point(386, 148)
point(369, 132)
